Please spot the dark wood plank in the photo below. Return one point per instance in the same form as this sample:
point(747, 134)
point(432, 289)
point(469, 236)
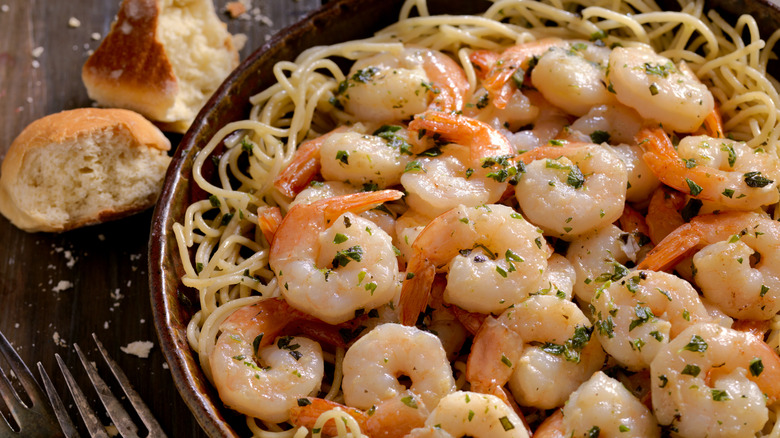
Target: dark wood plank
point(57, 289)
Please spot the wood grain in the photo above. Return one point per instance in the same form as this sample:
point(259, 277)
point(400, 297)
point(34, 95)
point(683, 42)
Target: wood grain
point(57, 289)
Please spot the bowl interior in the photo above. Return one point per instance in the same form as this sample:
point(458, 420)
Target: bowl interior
point(338, 20)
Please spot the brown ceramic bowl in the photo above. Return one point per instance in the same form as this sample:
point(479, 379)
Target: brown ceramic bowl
point(337, 21)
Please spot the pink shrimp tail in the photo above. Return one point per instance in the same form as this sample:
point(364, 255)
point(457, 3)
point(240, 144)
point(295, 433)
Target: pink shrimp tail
point(356, 203)
point(416, 289)
point(269, 220)
point(483, 61)
point(552, 426)
point(672, 249)
point(482, 139)
point(450, 82)
point(304, 167)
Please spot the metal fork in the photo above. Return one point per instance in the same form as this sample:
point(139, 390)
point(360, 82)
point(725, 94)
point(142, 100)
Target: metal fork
point(33, 419)
point(121, 419)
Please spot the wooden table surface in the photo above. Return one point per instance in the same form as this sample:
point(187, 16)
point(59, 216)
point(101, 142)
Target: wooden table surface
point(57, 289)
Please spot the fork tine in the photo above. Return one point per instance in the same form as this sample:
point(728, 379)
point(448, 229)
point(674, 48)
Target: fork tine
point(94, 426)
point(143, 411)
point(23, 375)
point(67, 426)
point(114, 408)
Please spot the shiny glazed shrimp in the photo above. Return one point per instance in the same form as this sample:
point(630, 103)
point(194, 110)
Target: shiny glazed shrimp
point(472, 414)
point(555, 355)
point(330, 263)
point(573, 77)
point(373, 364)
point(657, 89)
point(727, 172)
point(743, 285)
point(639, 314)
point(263, 382)
point(387, 88)
point(598, 257)
point(572, 189)
point(713, 381)
point(493, 257)
point(601, 407)
point(460, 174)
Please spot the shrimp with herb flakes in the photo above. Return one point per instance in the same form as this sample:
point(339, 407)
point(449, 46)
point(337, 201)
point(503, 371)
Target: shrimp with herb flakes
point(712, 381)
point(472, 414)
point(331, 263)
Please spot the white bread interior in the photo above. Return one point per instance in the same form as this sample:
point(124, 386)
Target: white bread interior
point(82, 167)
point(163, 59)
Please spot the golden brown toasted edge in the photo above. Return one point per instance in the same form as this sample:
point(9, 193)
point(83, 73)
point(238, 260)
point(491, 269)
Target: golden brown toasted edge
point(66, 127)
point(130, 68)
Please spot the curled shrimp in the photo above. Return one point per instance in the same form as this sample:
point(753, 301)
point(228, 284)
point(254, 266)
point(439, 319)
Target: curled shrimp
point(554, 352)
point(658, 89)
point(728, 271)
point(472, 414)
point(572, 189)
point(331, 263)
point(373, 364)
point(459, 174)
point(390, 88)
point(639, 314)
point(601, 407)
point(712, 381)
point(258, 379)
point(598, 257)
point(572, 77)
point(493, 256)
point(727, 172)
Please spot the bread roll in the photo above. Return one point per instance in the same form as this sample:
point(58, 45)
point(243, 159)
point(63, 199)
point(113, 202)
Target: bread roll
point(163, 59)
point(82, 167)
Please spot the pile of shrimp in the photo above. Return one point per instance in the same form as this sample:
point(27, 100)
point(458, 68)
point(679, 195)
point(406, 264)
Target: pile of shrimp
point(553, 236)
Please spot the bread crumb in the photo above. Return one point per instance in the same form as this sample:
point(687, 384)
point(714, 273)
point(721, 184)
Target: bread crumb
point(138, 348)
point(62, 285)
point(58, 340)
point(239, 41)
point(95, 36)
point(234, 9)
point(111, 430)
point(74, 22)
point(5, 8)
point(101, 237)
point(38, 51)
point(165, 365)
point(35, 63)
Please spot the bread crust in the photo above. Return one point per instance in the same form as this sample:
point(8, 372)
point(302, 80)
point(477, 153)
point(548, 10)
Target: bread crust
point(69, 128)
point(130, 68)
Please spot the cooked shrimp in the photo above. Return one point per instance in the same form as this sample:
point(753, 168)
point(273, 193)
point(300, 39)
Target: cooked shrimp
point(476, 415)
point(556, 354)
point(598, 257)
point(493, 256)
point(551, 124)
point(657, 89)
point(304, 166)
point(638, 315)
point(714, 169)
point(573, 77)
point(744, 285)
point(520, 110)
point(373, 364)
point(388, 88)
point(573, 189)
point(269, 219)
point(613, 124)
point(264, 382)
point(712, 381)
point(460, 175)
point(663, 213)
point(393, 418)
point(559, 278)
point(407, 227)
point(359, 158)
point(601, 407)
point(509, 67)
point(331, 263)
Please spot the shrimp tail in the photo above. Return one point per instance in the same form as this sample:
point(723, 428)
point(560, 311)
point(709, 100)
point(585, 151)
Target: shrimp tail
point(494, 353)
point(483, 140)
point(302, 170)
point(483, 60)
point(356, 203)
point(672, 248)
point(450, 83)
point(713, 124)
point(269, 219)
point(416, 289)
point(552, 426)
point(307, 412)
